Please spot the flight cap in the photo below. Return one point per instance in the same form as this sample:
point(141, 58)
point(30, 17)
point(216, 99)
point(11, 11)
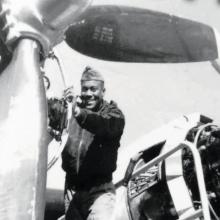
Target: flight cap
point(90, 74)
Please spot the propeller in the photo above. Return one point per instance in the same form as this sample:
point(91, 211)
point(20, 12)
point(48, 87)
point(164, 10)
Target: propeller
point(127, 34)
point(5, 56)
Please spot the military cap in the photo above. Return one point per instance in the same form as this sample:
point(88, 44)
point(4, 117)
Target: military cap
point(91, 74)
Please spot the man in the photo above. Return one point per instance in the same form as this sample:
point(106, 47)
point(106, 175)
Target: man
point(89, 157)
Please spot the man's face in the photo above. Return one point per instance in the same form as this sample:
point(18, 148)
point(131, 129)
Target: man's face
point(92, 93)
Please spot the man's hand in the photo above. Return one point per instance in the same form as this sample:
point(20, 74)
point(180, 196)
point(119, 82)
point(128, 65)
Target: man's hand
point(42, 20)
point(68, 94)
point(76, 101)
point(76, 111)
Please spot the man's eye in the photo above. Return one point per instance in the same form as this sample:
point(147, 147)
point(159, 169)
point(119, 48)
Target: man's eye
point(93, 89)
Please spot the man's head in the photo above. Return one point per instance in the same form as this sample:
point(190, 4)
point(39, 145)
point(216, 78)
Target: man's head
point(92, 88)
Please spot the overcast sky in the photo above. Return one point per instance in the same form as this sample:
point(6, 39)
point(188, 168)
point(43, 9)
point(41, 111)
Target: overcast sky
point(151, 95)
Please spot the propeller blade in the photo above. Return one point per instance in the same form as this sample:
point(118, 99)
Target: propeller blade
point(126, 34)
point(23, 135)
point(5, 56)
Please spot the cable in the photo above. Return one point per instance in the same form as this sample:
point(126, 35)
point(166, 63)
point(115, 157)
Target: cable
point(54, 55)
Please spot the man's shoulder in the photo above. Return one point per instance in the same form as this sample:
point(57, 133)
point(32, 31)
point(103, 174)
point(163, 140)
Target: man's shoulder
point(111, 104)
point(112, 107)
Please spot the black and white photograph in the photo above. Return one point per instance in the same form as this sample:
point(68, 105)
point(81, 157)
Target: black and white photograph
point(110, 110)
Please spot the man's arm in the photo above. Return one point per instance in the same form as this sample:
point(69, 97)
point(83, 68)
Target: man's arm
point(109, 123)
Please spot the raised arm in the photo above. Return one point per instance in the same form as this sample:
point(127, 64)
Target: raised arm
point(109, 122)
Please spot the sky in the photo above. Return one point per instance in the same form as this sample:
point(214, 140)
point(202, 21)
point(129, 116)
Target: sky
point(150, 95)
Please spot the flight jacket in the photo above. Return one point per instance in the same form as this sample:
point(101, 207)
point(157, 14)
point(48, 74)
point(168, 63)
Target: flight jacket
point(90, 155)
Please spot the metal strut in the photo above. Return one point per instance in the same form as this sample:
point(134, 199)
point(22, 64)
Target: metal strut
point(199, 175)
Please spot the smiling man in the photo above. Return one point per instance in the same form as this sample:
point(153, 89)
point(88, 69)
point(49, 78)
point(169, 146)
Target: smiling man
point(90, 155)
